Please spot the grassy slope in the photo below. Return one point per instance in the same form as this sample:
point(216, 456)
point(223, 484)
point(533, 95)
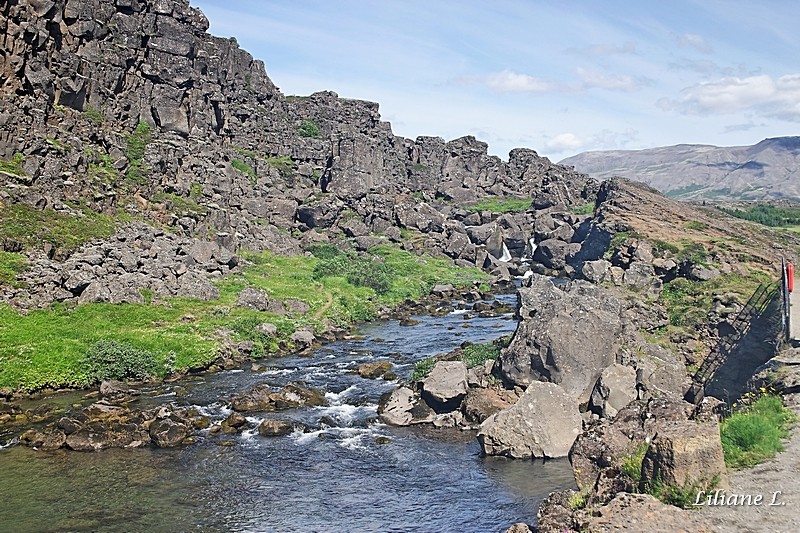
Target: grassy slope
point(46, 348)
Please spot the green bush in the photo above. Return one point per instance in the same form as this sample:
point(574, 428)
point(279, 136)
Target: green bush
point(478, 354)
point(136, 146)
point(754, 434)
point(423, 368)
point(696, 225)
point(631, 465)
point(324, 251)
point(359, 271)
point(109, 359)
point(309, 128)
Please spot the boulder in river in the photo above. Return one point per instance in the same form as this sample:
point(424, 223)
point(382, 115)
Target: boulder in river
point(169, 429)
point(403, 406)
point(446, 385)
point(263, 398)
point(272, 427)
point(374, 370)
point(543, 423)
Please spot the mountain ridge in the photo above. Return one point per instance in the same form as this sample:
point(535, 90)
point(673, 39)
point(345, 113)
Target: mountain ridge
point(767, 170)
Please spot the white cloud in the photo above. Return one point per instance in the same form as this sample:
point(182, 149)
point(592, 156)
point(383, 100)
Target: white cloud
point(593, 79)
point(563, 142)
point(763, 95)
point(692, 40)
point(509, 81)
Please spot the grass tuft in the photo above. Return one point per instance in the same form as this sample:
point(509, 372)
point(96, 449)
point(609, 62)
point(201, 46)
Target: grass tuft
point(754, 434)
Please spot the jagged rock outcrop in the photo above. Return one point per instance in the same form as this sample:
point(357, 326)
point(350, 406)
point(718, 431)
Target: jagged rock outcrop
point(568, 335)
point(130, 106)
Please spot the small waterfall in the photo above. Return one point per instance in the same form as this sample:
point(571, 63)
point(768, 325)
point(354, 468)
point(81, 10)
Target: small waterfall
point(506, 255)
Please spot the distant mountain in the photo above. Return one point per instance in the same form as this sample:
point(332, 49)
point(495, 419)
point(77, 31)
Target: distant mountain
point(767, 170)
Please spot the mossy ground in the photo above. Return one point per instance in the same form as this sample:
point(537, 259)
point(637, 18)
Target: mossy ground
point(47, 348)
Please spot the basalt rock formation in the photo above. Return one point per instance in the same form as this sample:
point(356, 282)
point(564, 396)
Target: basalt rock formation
point(130, 107)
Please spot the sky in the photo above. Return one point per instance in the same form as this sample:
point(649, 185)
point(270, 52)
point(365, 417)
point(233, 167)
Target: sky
point(561, 77)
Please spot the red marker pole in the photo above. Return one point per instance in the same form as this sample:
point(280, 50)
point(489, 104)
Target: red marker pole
point(790, 276)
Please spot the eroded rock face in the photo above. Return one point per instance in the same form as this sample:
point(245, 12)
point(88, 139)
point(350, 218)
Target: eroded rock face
point(615, 389)
point(567, 335)
point(644, 513)
point(543, 423)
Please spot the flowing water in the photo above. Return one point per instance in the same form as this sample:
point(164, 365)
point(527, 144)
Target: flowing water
point(333, 476)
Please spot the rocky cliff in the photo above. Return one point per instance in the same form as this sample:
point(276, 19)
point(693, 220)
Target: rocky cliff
point(131, 109)
point(767, 170)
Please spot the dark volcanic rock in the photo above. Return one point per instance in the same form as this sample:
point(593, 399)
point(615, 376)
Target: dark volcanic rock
point(263, 398)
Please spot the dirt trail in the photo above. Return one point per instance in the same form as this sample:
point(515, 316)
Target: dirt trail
point(780, 474)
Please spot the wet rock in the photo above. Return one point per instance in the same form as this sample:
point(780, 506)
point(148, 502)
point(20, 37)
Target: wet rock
point(168, 429)
point(382, 440)
point(374, 370)
point(116, 390)
point(402, 407)
point(105, 434)
point(275, 428)
point(47, 439)
point(543, 423)
point(446, 385)
point(519, 528)
point(263, 398)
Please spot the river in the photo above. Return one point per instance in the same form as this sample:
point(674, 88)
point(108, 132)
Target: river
point(332, 477)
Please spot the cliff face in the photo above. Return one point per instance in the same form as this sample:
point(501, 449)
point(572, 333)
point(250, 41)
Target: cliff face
point(767, 170)
point(78, 76)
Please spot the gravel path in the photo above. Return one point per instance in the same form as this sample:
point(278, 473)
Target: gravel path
point(780, 474)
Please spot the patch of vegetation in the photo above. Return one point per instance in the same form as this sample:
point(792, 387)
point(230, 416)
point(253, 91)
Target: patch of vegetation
point(478, 354)
point(136, 144)
point(682, 496)
point(196, 191)
point(309, 128)
point(93, 115)
point(419, 167)
point(622, 237)
point(423, 368)
point(631, 464)
point(31, 227)
point(56, 143)
point(661, 247)
point(696, 225)
point(109, 359)
point(284, 165)
point(13, 165)
point(102, 168)
point(11, 264)
point(497, 204)
point(753, 434)
point(180, 205)
point(583, 209)
point(768, 215)
point(578, 500)
point(244, 168)
point(694, 252)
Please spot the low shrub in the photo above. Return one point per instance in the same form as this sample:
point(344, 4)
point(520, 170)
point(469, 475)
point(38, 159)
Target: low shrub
point(423, 368)
point(110, 359)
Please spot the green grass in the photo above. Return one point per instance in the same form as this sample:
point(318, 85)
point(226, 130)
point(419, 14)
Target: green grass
point(31, 227)
point(478, 354)
point(11, 264)
point(423, 368)
point(180, 205)
point(136, 144)
point(93, 115)
point(13, 165)
point(696, 225)
point(497, 204)
point(583, 209)
point(47, 348)
point(631, 464)
point(284, 165)
point(754, 434)
point(244, 168)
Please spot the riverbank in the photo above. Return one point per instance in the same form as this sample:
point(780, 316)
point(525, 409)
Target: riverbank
point(275, 304)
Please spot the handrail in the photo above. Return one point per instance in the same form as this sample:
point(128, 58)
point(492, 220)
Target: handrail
point(755, 306)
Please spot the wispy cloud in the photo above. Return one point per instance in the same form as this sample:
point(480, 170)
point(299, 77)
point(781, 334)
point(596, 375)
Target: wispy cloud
point(509, 81)
point(694, 41)
point(602, 140)
point(763, 95)
point(594, 79)
point(604, 49)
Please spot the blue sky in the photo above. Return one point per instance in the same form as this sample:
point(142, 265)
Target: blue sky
point(559, 77)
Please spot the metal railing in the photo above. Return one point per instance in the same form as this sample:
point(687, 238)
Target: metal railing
point(755, 307)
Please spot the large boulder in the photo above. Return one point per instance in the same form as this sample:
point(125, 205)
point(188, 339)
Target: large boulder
point(568, 335)
point(481, 403)
point(615, 389)
point(543, 423)
point(555, 254)
point(168, 429)
point(446, 385)
point(685, 452)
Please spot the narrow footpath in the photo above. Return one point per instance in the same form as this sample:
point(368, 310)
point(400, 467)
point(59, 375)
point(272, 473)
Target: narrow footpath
point(778, 478)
